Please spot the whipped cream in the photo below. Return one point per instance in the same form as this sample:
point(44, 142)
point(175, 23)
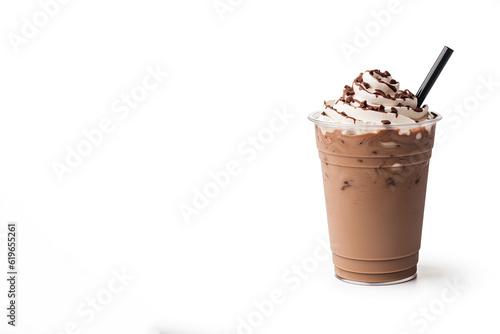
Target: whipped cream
point(375, 98)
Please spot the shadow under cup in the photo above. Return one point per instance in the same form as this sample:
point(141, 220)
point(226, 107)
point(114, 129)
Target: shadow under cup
point(375, 179)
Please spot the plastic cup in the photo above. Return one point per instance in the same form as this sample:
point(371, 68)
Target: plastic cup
point(375, 179)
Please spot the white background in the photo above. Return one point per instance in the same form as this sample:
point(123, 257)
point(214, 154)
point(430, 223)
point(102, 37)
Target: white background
point(119, 208)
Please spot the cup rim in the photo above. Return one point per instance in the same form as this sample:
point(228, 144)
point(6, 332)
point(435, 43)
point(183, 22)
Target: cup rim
point(313, 118)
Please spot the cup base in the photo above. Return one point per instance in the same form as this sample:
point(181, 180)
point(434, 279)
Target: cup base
point(376, 279)
point(377, 283)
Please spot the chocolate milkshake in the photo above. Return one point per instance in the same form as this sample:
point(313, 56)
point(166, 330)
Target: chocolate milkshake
point(375, 144)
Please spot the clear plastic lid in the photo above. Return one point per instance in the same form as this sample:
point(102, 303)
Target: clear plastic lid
point(313, 117)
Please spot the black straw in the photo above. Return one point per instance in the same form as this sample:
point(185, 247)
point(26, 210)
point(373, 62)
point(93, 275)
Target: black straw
point(433, 75)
